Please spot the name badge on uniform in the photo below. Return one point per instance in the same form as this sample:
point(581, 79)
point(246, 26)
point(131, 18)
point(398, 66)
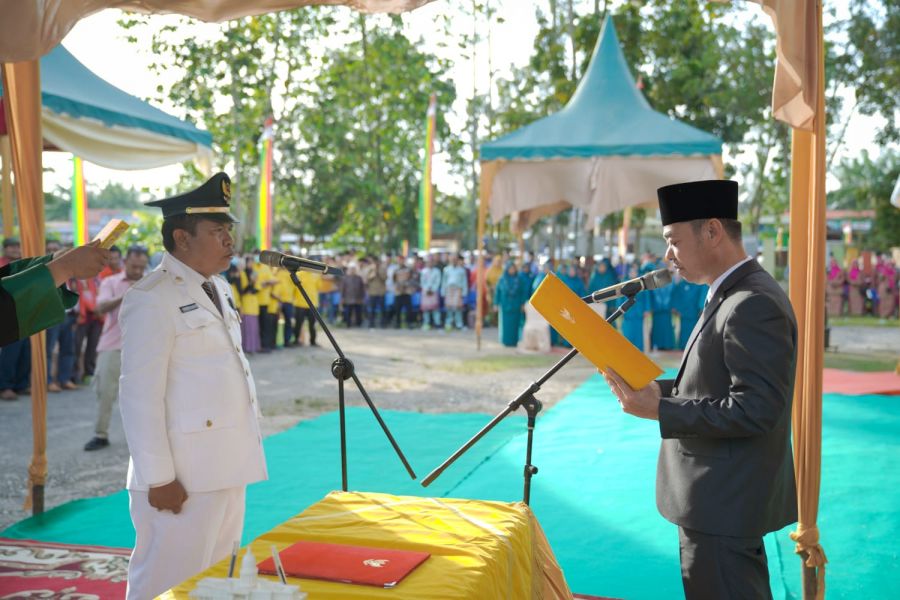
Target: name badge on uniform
point(188, 307)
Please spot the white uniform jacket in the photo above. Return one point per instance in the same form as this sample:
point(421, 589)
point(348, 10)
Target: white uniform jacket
point(187, 397)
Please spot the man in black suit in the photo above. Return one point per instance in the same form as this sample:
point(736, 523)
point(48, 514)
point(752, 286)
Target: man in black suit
point(725, 473)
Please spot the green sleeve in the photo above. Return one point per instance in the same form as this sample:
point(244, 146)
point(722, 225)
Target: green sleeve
point(29, 287)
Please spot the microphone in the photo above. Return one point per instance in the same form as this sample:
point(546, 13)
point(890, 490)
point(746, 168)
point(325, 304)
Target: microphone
point(648, 281)
point(295, 263)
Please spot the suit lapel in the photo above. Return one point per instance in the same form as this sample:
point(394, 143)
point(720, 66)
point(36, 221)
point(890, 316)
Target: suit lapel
point(714, 303)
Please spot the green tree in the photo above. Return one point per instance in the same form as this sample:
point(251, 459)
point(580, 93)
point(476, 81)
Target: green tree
point(353, 172)
point(867, 184)
point(229, 79)
point(114, 195)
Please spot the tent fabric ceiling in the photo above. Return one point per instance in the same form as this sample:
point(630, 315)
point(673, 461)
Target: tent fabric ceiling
point(31, 28)
point(598, 186)
point(83, 114)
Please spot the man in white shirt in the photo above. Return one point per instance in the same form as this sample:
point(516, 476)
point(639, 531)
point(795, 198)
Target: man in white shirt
point(109, 348)
point(188, 400)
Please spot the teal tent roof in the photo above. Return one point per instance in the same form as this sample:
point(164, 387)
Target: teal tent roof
point(69, 88)
point(607, 116)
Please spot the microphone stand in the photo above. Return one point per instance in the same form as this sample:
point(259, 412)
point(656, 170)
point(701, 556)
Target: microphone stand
point(342, 369)
point(532, 407)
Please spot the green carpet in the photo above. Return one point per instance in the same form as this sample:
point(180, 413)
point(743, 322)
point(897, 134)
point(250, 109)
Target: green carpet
point(593, 494)
point(304, 465)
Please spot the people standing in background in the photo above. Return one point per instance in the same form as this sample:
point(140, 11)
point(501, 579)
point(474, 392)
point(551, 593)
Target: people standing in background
point(508, 300)
point(12, 251)
point(265, 281)
point(329, 296)
point(493, 272)
point(353, 297)
point(633, 319)
point(283, 293)
point(109, 348)
point(115, 263)
point(602, 277)
point(687, 299)
point(312, 283)
point(662, 332)
point(886, 286)
point(60, 343)
point(87, 329)
point(454, 286)
point(430, 279)
point(404, 288)
point(834, 290)
point(570, 276)
point(249, 308)
point(375, 276)
point(856, 293)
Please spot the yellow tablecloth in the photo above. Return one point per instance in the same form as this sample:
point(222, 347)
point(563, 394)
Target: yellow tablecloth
point(479, 550)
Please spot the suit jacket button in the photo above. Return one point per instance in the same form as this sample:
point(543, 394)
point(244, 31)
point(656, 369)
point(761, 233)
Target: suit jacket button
point(208, 423)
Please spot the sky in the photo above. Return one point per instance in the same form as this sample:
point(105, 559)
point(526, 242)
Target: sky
point(100, 45)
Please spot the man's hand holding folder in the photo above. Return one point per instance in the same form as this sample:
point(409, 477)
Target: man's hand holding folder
point(642, 403)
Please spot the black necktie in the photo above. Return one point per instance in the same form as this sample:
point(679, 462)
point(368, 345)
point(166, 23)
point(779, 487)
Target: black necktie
point(211, 292)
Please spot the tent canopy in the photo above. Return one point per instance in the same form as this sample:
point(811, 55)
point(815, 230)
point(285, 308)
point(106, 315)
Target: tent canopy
point(87, 116)
point(605, 151)
point(607, 116)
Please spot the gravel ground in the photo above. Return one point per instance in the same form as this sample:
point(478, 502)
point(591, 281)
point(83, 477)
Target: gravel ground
point(401, 370)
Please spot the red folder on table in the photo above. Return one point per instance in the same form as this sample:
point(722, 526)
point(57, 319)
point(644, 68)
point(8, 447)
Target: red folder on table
point(343, 563)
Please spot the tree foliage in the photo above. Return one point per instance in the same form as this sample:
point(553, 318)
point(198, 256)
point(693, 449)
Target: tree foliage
point(354, 172)
point(867, 184)
point(348, 96)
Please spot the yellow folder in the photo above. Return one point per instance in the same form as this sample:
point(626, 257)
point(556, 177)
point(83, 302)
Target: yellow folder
point(587, 331)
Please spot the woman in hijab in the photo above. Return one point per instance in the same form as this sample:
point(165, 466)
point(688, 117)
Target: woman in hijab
point(886, 281)
point(834, 292)
point(603, 276)
point(570, 276)
point(633, 320)
point(508, 299)
point(856, 279)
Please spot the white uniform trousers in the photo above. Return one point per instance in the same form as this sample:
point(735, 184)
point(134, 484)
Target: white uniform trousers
point(171, 548)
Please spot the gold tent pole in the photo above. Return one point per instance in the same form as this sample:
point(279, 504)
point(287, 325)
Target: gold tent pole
point(807, 292)
point(22, 100)
point(6, 195)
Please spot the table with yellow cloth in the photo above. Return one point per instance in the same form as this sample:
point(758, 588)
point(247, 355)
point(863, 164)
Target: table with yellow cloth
point(478, 549)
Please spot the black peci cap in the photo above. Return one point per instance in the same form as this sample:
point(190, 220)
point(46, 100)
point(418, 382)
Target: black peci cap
point(710, 199)
point(211, 198)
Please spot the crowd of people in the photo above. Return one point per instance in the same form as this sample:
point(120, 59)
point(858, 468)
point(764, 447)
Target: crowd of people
point(436, 292)
point(649, 324)
point(433, 292)
point(867, 286)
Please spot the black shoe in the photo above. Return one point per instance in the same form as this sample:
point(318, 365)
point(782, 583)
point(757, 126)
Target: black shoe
point(96, 443)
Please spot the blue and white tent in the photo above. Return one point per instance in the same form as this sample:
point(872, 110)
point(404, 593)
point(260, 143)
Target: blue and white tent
point(605, 151)
point(91, 118)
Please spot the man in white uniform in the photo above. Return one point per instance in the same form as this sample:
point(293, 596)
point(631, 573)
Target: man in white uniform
point(187, 398)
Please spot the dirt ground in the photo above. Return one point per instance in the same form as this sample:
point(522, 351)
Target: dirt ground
point(403, 370)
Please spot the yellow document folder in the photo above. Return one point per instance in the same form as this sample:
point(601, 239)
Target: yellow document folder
point(587, 331)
